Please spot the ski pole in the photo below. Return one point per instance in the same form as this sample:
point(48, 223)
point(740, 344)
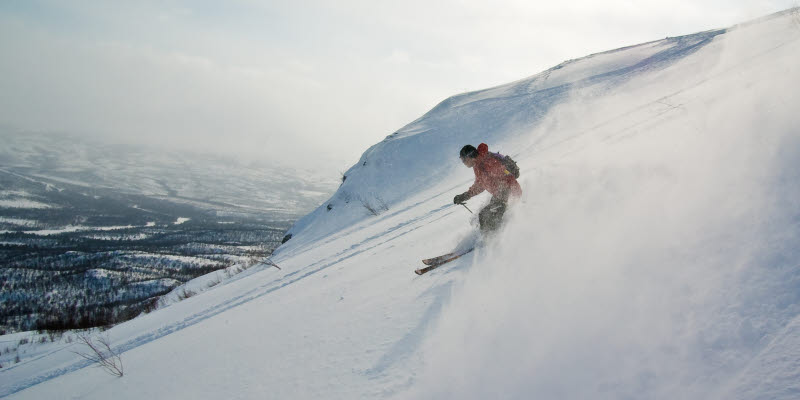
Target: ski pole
point(465, 206)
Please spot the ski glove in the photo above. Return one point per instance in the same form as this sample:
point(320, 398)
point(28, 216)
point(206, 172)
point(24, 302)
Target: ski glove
point(461, 198)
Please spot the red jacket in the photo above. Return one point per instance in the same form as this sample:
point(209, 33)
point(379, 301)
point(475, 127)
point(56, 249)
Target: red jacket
point(491, 175)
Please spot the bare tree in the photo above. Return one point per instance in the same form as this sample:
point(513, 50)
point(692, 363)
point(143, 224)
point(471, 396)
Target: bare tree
point(375, 206)
point(214, 282)
point(185, 293)
point(101, 354)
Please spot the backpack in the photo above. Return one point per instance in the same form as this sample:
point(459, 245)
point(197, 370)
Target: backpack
point(508, 163)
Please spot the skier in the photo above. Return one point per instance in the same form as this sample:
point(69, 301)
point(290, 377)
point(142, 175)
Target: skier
point(498, 175)
point(491, 175)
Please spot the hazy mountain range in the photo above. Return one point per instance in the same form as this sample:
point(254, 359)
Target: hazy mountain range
point(93, 234)
point(222, 186)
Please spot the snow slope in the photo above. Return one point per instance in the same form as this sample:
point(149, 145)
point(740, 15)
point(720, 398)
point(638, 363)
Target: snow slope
point(654, 254)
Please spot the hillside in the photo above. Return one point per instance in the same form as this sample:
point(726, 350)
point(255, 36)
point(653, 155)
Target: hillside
point(653, 256)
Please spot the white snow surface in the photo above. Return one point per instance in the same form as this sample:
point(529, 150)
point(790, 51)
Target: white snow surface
point(23, 203)
point(77, 228)
point(19, 221)
point(654, 254)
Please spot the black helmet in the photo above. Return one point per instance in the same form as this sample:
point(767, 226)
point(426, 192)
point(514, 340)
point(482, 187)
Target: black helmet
point(468, 151)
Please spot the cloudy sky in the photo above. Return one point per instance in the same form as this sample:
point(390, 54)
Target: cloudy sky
point(309, 81)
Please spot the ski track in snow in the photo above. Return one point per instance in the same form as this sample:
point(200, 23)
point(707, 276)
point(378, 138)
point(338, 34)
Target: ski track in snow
point(270, 287)
point(370, 222)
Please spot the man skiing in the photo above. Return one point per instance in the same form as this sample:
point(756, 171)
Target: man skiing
point(498, 175)
point(491, 175)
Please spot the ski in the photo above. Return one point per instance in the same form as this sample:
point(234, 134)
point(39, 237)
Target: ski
point(421, 271)
point(433, 263)
point(446, 257)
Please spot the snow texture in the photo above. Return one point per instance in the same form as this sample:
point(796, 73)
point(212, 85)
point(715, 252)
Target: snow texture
point(653, 255)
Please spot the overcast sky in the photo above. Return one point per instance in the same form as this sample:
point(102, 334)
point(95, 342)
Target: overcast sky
point(316, 82)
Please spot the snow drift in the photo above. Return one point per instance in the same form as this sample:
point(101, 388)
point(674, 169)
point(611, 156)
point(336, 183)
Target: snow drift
point(656, 259)
point(653, 256)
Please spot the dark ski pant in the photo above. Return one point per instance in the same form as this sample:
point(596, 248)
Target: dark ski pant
point(491, 217)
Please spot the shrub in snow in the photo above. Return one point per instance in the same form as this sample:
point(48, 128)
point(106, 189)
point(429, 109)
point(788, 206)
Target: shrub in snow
point(185, 294)
point(374, 206)
point(101, 354)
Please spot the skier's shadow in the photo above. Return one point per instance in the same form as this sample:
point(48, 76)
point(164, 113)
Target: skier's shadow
point(472, 240)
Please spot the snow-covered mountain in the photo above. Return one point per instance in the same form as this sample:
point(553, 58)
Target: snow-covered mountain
point(221, 185)
point(654, 254)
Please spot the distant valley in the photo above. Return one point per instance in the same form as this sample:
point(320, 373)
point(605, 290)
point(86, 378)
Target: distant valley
point(93, 234)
